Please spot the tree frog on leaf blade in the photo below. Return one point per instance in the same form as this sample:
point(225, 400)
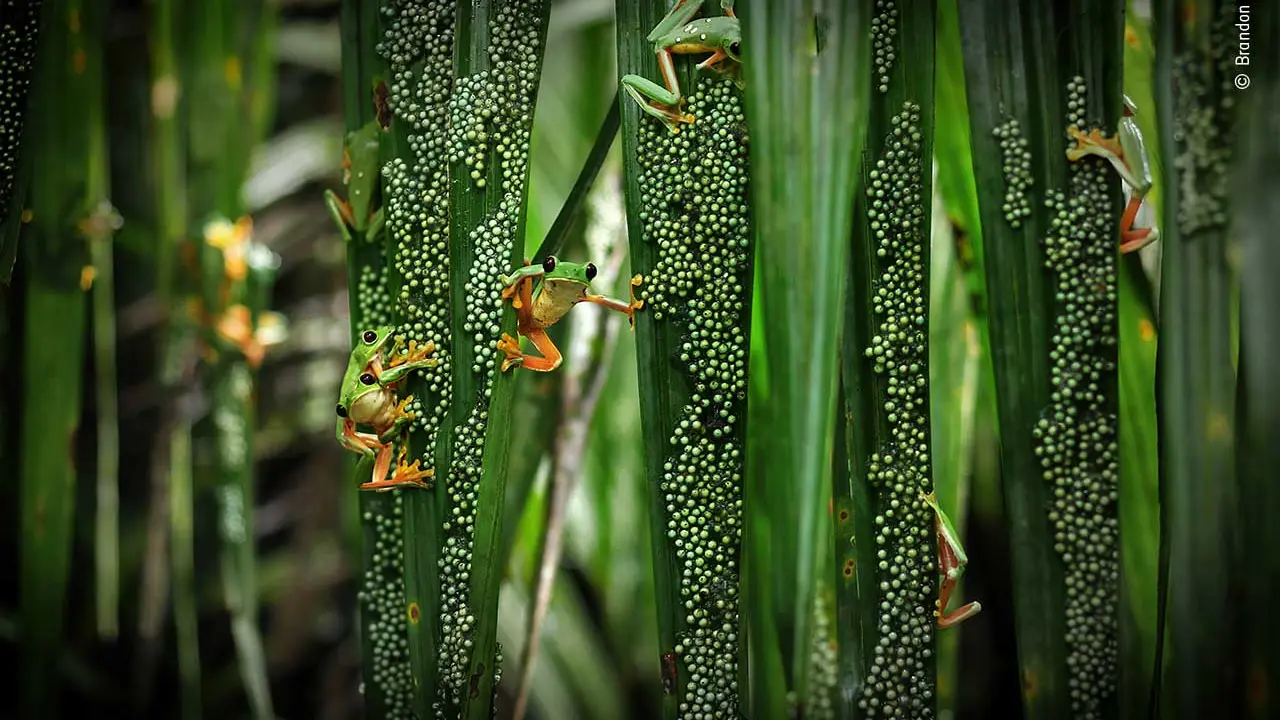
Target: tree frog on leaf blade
point(366, 397)
point(677, 33)
point(951, 563)
point(361, 172)
point(561, 285)
point(1127, 153)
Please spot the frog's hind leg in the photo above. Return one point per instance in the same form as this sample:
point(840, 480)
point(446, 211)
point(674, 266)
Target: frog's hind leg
point(549, 361)
point(410, 474)
point(960, 614)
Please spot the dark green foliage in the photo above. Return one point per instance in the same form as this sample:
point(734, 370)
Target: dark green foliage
point(1196, 396)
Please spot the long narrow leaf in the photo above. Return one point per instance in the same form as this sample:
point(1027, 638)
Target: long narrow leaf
point(1255, 218)
point(1197, 383)
point(807, 74)
point(54, 255)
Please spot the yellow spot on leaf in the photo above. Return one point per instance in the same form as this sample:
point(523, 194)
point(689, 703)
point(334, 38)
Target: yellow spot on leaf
point(27, 215)
point(849, 567)
point(231, 70)
point(1218, 427)
point(1146, 330)
point(86, 277)
point(164, 97)
point(415, 613)
point(79, 60)
point(1131, 37)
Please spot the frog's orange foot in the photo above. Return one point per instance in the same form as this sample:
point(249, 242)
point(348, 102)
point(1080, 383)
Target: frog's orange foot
point(510, 347)
point(1092, 143)
point(410, 474)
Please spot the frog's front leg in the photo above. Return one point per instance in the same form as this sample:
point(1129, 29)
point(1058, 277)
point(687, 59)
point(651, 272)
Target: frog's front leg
point(401, 365)
point(341, 213)
point(629, 309)
point(401, 417)
point(509, 346)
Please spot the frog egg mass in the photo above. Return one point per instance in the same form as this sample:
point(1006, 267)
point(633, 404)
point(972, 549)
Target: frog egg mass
point(694, 189)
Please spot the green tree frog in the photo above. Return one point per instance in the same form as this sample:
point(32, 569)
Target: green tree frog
point(1128, 155)
point(367, 397)
point(361, 172)
point(951, 563)
point(677, 33)
point(560, 286)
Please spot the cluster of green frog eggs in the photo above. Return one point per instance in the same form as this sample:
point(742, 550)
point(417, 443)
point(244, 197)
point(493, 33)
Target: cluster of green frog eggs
point(372, 299)
point(456, 619)
point(1015, 156)
point(1202, 129)
point(471, 107)
point(16, 62)
point(694, 189)
point(383, 601)
point(884, 46)
point(1076, 434)
point(898, 680)
point(824, 663)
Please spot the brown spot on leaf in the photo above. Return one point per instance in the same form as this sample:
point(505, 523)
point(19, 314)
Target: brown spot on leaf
point(1030, 684)
point(380, 105)
point(670, 672)
point(475, 682)
point(847, 570)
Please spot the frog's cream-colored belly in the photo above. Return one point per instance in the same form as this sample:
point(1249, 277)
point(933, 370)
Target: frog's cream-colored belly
point(555, 299)
point(375, 409)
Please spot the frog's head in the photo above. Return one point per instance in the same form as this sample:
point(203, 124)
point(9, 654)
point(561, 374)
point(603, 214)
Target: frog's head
point(554, 269)
point(731, 43)
point(358, 380)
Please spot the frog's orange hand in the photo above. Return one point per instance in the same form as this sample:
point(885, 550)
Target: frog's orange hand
point(415, 354)
point(628, 309)
point(1093, 143)
point(521, 289)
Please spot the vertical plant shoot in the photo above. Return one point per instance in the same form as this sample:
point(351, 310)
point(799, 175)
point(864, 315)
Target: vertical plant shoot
point(890, 402)
point(418, 50)
point(455, 211)
point(693, 188)
point(1076, 435)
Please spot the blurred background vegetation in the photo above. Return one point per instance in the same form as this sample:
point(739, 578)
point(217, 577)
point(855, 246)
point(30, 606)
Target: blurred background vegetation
point(185, 533)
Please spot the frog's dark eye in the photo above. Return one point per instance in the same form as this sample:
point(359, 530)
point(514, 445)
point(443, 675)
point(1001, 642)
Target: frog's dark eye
point(342, 412)
point(549, 264)
point(368, 379)
point(733, 48)
point(591, 271)
point(370, 336)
